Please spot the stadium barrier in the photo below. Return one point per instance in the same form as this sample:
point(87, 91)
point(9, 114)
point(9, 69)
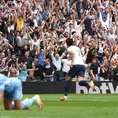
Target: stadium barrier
point(58, 88)
point(46, 87)
point(100, 88)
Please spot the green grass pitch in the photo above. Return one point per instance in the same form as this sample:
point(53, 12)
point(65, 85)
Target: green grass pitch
point(77, 106)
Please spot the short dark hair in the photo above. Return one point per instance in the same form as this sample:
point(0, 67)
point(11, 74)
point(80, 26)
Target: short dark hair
point(73, 32)
point(69, 41)
point(48, 59)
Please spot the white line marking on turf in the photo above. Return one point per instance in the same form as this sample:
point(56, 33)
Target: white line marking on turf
point(33, 117)
point(81, 100)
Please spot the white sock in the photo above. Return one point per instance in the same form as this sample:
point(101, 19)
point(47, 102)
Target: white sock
point(35, 97)
point(65, 97)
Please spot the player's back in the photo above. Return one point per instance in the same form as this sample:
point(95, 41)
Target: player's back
point(3, 81)
point(77, 59)
point(8, 84)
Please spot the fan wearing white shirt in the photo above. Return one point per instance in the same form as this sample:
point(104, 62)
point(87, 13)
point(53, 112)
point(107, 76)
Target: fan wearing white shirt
point(105, 21)
point(57, 60)
point(66, 65)
point(111, 34)
point(34, 41)
point(104, 4)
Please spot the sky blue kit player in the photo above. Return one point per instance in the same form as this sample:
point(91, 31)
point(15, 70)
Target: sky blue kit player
point(10, 89)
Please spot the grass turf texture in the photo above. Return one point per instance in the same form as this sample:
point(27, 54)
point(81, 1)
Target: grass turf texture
point(77, 106)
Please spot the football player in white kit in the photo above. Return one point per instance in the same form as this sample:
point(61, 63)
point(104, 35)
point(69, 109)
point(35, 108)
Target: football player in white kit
point(77, 68)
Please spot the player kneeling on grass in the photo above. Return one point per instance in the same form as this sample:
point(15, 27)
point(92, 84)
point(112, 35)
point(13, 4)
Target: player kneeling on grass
point(11, 89)
point(27, 103)
point(77, 68)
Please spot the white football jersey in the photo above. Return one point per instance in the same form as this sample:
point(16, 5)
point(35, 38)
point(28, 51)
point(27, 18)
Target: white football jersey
point(77, 59)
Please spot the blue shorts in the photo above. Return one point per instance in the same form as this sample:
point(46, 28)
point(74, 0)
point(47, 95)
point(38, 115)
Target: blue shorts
point(14, 91)
point(77, 70)
point(46, 79)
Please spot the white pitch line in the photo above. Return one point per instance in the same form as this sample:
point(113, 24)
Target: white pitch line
point(33, 117)
point(81, 100)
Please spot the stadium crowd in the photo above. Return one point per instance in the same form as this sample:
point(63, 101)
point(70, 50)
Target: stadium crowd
point(33, 37)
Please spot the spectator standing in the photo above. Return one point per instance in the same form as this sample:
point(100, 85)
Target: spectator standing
point(66, 66)
point(41, 63)
point(115, 71)
point(23, 73)
point(57, 61)
point(13, 62)
point(48, 71)
point(3, 67)
point(94, 70)
point(104, 69)
point(27, 60)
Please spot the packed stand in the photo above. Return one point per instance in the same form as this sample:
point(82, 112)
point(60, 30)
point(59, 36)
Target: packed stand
point(33, 37)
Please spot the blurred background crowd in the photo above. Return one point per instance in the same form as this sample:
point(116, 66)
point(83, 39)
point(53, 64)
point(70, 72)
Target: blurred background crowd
point(33, 35)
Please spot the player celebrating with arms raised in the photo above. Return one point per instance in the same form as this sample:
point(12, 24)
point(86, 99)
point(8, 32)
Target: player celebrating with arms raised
point(77, 68)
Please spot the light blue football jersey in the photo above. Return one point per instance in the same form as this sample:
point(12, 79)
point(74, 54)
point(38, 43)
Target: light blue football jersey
point(12, 87)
